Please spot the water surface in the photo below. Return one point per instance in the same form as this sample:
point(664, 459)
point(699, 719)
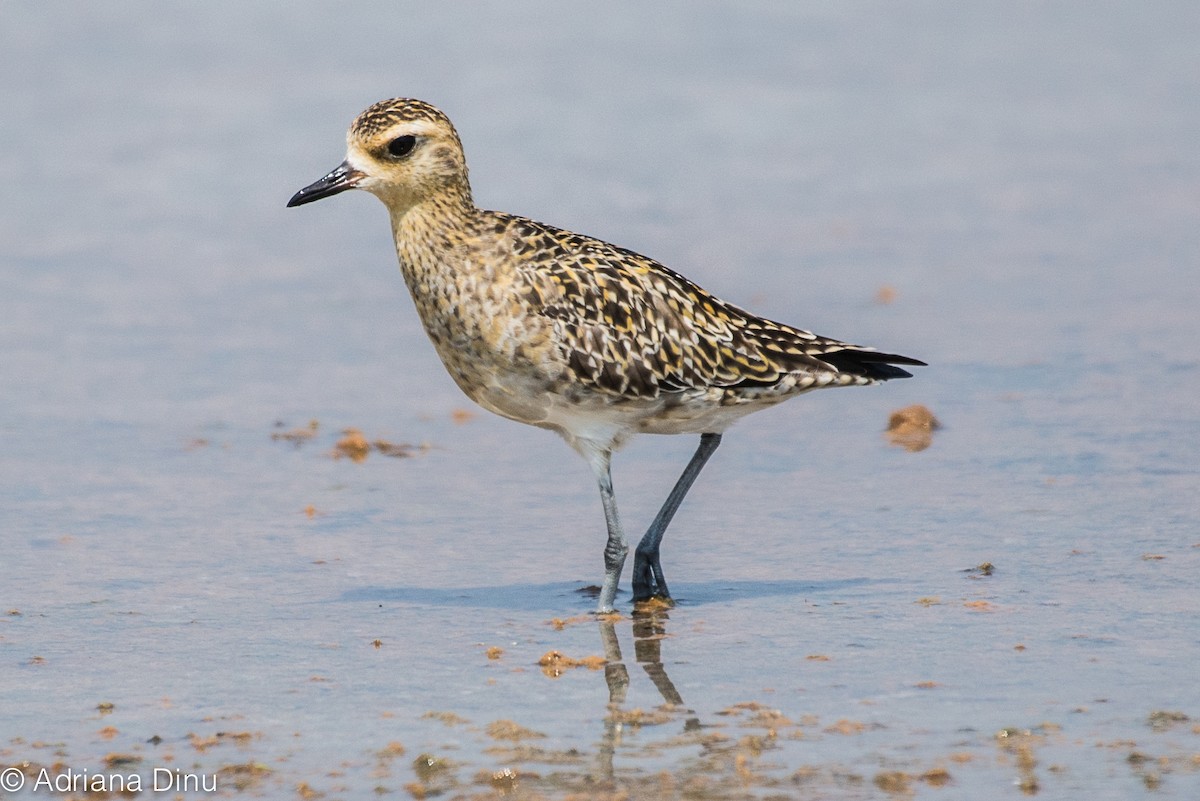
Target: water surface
point(182, 591)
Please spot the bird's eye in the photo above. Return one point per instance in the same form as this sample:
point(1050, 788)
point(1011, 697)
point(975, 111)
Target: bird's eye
point(401, 146)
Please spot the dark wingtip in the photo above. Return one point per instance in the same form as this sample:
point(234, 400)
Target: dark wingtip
point(870, 363)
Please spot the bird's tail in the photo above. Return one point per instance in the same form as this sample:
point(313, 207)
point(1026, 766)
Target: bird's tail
point(869, 364)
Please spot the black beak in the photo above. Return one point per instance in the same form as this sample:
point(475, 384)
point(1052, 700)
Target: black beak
point(342, 178)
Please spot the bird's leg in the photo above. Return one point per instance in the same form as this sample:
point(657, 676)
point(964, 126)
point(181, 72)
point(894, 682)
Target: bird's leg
point(648, 580)
point(616, 548)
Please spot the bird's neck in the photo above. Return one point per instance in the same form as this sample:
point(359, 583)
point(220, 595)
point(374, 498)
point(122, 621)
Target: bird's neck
point(429, 233)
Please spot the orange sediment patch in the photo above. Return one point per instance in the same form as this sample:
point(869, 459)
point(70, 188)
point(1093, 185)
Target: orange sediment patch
point(297, 436)
point(560, 623)
point(447, 718)
point(555, 663)
point(980, 606)
point(847, 727)
point(508, 730)
point(912, 428)
point(356, 447)
point(399, 450)
point(391, 750)
point(353, 445)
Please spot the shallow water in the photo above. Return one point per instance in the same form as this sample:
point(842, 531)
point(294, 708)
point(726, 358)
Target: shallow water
point(1022, 178)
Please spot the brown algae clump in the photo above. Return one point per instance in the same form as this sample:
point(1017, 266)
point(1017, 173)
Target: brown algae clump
point(912, 428)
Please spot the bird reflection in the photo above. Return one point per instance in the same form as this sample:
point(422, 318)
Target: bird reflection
point(649, 631)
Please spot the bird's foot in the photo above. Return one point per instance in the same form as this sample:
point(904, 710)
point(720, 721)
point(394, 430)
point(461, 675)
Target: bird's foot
point(648, 581)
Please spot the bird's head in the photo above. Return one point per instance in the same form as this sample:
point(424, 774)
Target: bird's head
point(404, 152)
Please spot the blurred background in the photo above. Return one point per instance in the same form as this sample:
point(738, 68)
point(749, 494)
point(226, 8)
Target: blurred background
point(1009, 191)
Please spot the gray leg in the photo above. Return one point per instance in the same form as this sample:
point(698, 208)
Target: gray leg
point(616, 548)
point(648, 578)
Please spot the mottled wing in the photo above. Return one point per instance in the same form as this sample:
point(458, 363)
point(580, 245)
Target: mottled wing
point(632, 327)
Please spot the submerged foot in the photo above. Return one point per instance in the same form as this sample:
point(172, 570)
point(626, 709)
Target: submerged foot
point(648, 580)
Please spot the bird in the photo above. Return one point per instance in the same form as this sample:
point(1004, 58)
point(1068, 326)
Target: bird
point(573, 334)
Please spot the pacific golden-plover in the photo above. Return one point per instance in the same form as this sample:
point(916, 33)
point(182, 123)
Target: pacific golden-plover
point(569, 333)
